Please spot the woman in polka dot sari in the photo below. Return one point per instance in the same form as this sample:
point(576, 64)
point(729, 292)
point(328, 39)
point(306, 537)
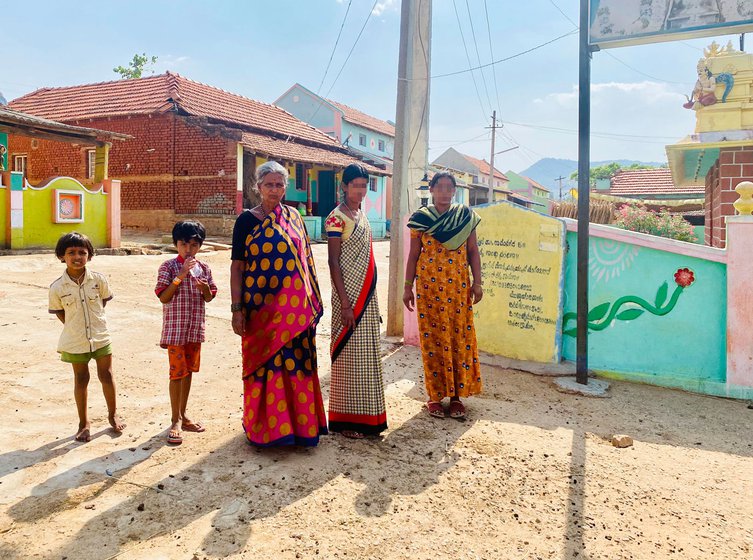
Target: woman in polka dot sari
point(443, 246)
point(276, 306)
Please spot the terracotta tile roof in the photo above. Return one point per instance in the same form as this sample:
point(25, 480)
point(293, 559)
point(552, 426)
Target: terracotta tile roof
point(484, 167)
point(24, 124)
point(536, 184)
point(362, 119)
point(290, 151)
point(160, 94)
point(648, 182)
point(518, 196)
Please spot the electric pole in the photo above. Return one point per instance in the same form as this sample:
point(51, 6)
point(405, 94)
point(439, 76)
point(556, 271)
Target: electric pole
point(560, 179)
point(411, 141)
point(491, 159)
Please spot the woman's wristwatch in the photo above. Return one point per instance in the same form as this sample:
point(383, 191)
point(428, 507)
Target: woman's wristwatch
point(236, 307)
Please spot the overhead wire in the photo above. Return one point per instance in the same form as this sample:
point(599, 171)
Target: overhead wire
point(491, 53)
point(468, 57)
point(516, 55)
point(347, 58)
point(478, 56)
point(553, 3)
point(331, 56)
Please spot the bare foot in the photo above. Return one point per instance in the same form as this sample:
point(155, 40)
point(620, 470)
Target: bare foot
point(83, 433)
point(173, 435)
point(117, 424)
point(191, 426)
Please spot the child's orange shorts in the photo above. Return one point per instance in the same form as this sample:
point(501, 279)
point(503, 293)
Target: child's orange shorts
point(184, 359)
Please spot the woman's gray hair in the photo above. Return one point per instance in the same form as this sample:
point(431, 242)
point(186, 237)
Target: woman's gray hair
point(271, 167)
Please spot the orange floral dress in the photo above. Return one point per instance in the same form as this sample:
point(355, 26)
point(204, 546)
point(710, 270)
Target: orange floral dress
point(445, 320)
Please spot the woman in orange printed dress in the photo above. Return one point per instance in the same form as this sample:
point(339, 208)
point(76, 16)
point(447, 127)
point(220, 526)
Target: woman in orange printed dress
point(443, 245)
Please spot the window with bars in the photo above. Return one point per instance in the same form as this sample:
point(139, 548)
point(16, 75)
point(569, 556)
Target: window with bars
point(91, 163)
point(380, 145)
point(361, 139)
point(20, 163)
point(373, 184)
point(300, 170)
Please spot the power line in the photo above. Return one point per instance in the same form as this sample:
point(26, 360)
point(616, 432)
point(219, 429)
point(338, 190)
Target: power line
point(478, 56)
point(602, 135)
point(347, 58)
point(468, 57)
point(342, 25)
point(491, 53)
point(564, 15)
point(542, 127)
point(643, 73)
point(321, 102)
point(516, 55)
point(553, 3)
point(483, 134)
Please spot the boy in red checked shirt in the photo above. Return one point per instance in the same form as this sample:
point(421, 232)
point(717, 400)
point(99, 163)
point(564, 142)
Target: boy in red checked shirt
point(184, 285)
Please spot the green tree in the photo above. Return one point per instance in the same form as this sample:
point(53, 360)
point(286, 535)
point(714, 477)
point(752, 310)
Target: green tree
point(136, 67)
point(607, 170)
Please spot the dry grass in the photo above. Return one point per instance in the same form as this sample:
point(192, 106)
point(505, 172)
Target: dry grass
point(601, 212)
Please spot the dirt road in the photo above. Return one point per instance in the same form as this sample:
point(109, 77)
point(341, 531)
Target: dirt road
point(531, 473)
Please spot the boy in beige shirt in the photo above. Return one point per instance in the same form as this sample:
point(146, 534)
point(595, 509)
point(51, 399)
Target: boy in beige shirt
point(78, 299)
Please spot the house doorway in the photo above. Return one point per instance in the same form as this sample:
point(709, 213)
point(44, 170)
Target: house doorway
point(327, 193)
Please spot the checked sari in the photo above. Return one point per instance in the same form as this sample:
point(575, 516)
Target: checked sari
point(282, 400)
point(443, 302)
point(356, 401)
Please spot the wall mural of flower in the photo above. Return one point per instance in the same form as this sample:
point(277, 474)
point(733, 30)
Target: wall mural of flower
point(601, 316)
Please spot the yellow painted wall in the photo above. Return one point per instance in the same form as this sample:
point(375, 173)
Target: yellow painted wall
point(522, 259)
point(39, 227)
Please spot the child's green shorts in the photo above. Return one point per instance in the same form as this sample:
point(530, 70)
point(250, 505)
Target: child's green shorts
point(84, 358)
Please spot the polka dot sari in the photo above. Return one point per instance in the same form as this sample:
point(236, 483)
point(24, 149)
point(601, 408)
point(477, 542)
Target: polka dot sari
point(282, 400)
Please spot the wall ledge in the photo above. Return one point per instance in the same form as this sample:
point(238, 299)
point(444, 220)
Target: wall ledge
point(651, 241)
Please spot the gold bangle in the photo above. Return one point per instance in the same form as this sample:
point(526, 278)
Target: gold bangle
point(177, 281)
point(408, 283)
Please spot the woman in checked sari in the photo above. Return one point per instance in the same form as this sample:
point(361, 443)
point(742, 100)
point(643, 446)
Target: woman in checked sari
point(356, 402)
point(276, 306)
point(442, 247)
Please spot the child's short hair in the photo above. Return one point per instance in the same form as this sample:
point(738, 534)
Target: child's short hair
point(73, 239)
point(187, 230)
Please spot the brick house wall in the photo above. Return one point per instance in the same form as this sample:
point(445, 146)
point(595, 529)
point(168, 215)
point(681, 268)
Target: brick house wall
point(169, 167)
point(733, 166)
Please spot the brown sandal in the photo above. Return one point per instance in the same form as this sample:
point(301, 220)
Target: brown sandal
point(457, 409)
point(435, 409)
point(352, 434)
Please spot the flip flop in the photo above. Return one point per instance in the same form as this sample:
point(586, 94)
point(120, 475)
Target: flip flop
point(435, 409)
point(457, 409)
point(174, 437)
point(193, 427)
point(352, 434)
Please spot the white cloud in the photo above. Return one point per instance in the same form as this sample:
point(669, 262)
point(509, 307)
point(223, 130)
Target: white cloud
point(383, 6)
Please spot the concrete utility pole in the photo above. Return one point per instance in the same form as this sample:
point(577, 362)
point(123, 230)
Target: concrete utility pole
point(491, 159)
point(560, 179)
point(411, 141)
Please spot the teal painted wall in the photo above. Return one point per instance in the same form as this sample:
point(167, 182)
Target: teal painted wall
point(684, 348)
point(700, 232)
point(4, 158)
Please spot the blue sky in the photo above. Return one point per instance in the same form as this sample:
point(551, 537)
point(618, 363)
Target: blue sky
point(259, 48)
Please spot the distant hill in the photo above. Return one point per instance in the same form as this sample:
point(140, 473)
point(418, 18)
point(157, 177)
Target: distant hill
point(546, 171)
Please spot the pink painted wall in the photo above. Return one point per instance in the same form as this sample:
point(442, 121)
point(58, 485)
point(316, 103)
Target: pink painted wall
point(740, 301)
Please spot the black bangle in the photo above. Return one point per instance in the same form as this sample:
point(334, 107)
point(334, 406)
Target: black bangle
point(236, 307)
